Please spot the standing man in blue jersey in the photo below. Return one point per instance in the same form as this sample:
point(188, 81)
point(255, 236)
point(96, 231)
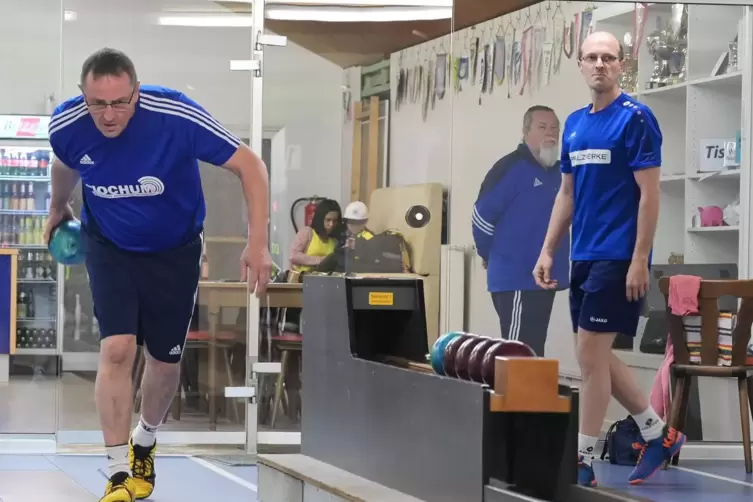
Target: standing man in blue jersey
point(510, 219)
point(611, 158)
point(136, 149)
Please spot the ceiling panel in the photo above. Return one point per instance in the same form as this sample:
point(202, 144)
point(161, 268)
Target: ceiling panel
point(349, 44)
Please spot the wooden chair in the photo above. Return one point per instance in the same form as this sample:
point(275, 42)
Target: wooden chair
point(196, 340)
point(708, 297)
point(288, 380)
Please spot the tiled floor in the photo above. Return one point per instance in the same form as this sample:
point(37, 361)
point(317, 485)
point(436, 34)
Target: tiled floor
point(79, 478)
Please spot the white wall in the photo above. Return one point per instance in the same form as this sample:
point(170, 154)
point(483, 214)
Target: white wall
point(420, 148)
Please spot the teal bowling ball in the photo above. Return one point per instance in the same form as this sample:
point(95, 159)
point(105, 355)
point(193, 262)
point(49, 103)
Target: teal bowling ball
point(437, 351)
point(66, 246)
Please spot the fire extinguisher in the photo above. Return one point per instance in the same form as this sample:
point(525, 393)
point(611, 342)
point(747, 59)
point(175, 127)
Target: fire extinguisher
point(308, 210)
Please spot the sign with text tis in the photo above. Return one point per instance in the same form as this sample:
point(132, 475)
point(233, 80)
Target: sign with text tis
point(711, 154)
point(23, 126)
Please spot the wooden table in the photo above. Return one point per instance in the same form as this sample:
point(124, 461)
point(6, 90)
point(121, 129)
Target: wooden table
point(216, 295)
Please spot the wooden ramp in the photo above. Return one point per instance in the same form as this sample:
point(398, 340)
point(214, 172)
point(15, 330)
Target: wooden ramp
point(299, 478)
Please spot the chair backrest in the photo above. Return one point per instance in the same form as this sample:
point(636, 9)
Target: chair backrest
point(708, 306)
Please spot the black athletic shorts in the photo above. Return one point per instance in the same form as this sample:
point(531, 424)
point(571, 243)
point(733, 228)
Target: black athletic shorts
point(150, 295)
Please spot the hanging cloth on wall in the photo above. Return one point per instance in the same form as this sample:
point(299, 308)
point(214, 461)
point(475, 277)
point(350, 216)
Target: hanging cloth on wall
point(481, 67)
point(474, 59)
point(516, 65)
point(490, 54)
point(539, 35)
point(427, 94)
point(510, 63)
point(526, 55)
point(433, 87)
point(421, 77)
point(409, 92)
point(482, 58)
point(415, 84)
point(576, 35)
point(462, 71)
point(546, 62)
point(500, 60)
point(399, 87)
point(568, 39)
point(456, 74)
point(441, 79)
point(586, 26)
point(558, 39)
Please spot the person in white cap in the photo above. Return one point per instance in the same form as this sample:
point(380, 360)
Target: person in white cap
point(356, 216)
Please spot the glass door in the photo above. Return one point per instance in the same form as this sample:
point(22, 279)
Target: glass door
point(28, 280)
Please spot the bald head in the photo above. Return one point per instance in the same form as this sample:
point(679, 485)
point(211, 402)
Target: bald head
point(601, 38)
point(600, 61)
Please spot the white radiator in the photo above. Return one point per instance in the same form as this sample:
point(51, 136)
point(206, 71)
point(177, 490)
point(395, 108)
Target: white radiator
point(452, 289)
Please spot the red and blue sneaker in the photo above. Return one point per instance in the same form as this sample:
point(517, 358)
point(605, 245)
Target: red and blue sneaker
point(655, 452)
point(586, 476)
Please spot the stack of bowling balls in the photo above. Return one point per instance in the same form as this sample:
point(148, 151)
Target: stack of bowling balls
point(471, 357)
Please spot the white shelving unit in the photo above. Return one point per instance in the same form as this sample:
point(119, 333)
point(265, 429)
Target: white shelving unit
point(703, 107)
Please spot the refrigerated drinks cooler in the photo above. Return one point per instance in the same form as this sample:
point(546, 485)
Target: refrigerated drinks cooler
point(25, 157)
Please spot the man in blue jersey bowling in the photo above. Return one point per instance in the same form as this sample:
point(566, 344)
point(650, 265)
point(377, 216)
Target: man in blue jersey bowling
point(611, 158)
point(510, 219)
point(136, 150)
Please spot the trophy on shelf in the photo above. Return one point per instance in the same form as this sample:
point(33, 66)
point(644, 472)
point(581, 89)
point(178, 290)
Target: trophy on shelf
point(732, 57)
point(668, 46)
point(657, 47)
point(629, 76)
point(678, 29)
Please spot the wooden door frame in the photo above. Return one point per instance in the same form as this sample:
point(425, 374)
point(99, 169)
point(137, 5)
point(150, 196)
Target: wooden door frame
point(362, 114)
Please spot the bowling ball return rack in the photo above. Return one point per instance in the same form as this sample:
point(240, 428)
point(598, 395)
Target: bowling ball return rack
point(373, 406)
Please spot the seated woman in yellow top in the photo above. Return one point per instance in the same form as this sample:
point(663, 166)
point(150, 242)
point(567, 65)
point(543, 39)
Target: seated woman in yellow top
point(314, 243)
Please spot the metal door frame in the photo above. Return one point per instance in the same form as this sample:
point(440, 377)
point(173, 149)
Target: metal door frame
point(255, 368)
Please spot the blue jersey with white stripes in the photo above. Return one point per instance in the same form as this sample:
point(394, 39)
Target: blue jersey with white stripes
point(143, 188)
point(602, 151)
point(510, 219)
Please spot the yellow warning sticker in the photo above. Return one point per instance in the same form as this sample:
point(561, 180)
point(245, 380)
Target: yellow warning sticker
point(381, 299)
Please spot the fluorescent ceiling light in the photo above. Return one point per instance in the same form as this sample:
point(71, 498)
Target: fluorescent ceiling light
point(70, 15)
point(207, 21)
point(356, 3)
point(321, 14)
point(243, 65)
point(356, 15)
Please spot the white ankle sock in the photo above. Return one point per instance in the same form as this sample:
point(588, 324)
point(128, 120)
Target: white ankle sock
point(117, 459)
point(650, 424)
point(586, 447)
point(144, 434)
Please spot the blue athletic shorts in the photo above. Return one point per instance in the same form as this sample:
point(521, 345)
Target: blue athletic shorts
point(150, 295)
point(598, 298)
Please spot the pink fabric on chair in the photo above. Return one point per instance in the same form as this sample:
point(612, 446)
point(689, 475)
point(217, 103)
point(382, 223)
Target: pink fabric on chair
point(683, 294)
point(683, 300)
